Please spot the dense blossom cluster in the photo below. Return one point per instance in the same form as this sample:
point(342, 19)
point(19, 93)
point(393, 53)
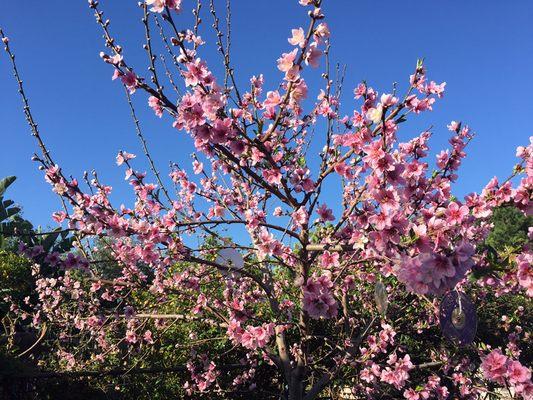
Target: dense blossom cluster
point(501, 369)
point(304, 268)
point(436, 273)
point(318, 298)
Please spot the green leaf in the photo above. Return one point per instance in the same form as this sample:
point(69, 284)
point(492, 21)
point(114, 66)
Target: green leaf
point(12, 211)
point(6, 213)
point(7, 203)
point(49, 240)
point(5, 183)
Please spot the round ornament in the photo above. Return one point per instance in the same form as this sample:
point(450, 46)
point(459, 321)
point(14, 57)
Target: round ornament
point(458, 318)
point(231, 258)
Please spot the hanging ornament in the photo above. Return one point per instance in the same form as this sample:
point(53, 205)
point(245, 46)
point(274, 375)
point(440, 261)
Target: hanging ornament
point(380, 297)
point(230, 258)
point(458, 318)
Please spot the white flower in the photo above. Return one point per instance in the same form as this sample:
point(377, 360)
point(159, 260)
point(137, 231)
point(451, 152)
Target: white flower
point(375, 114)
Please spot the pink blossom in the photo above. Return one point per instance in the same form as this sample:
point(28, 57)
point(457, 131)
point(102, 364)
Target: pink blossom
point(455, 213)
point(273, 99)
point(131, 337)
point(321, 32)
point(158, 6)
point(318, 300)
point(312, 56)
point(325, 214)
point(272, 176)
point(251, 337)
point(198, 167)
point(454, 126)
point(298, 37)
point(59, 216)
point(433, 272)
point(286, 61)
point(517, 373)
point(433, 88)
point(360, 90)
point(130, 80)
point(197, 73)
point(411, 394)
point(330, 259)
point(388, 100)
point(494, 366)
point(300, 217)
point(155, 104)
point(147, 337)
point(299, 91)
point(525, 272)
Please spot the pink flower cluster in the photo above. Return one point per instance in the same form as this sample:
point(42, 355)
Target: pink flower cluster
point(432, 389)
point(397, 371)
point(250, 337)
point(501, 369)
point(203, 373)
point(433, 272)
point(319, 301)
point(524, 263)
point(158, 6)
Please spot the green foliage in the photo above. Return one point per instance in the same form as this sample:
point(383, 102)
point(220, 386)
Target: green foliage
point(10, 220)
point(14, 228)
point(507, 238)
point(5, 183)
point(490, 319)
point(510, 229)
point(15, 277)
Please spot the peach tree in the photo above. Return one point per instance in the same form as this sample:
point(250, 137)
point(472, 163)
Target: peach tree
point(326, 292)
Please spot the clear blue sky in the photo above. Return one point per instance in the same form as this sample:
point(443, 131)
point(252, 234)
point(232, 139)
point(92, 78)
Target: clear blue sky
point(482, 49)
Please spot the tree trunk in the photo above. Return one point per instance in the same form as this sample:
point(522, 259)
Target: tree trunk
point(296, 386)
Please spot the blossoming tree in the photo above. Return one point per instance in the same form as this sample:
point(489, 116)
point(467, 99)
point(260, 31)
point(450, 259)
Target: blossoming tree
point(249, 243)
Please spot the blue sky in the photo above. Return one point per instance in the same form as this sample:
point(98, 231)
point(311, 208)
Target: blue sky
point(482, 49)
